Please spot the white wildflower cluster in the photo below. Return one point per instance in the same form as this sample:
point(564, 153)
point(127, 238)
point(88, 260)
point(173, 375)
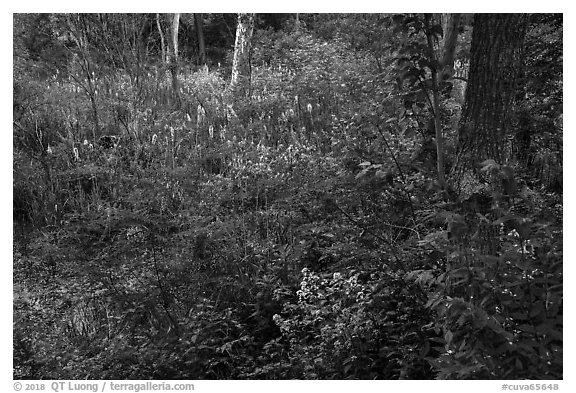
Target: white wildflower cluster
point(309, 287)
point(314, 288)
point(334, 306)
point(284, 325)
point(135, 233)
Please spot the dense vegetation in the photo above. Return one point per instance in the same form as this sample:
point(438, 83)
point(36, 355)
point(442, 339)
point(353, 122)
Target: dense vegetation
point(169, 227)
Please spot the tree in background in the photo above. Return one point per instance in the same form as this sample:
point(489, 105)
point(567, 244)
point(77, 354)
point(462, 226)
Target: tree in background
point(174, 58)
point(538, 114)
point(162, 42)
point(199, 25)
point(425, 77)
point(435, 69)
point(240, 81)
point(450, 26)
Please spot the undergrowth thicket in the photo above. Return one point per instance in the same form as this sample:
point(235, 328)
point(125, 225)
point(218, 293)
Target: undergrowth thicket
point(296, 234)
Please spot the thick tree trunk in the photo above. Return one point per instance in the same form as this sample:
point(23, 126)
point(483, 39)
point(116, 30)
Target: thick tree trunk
point(240, 81)
point(199, 24)
point(496, 58)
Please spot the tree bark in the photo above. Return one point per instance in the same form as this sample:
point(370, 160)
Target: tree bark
point(199, 24)
point(174, 60)
point(240, 81)
point(162, 44)
point(495, 61)
point(450, 23)
point(175, 26)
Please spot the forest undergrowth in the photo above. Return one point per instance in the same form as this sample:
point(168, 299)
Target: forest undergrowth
point(300, 233)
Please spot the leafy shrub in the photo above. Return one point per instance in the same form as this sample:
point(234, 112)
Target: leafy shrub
point(500, 314)
point(355, 327)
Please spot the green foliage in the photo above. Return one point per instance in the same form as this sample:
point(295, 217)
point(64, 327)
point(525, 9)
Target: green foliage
point(538, 130)
point(500, 313)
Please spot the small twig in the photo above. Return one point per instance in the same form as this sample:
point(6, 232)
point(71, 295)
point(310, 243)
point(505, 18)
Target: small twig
point(399, 169)
point(164, 293)
point(402, 227)
point(370, 232)
point(431, 105)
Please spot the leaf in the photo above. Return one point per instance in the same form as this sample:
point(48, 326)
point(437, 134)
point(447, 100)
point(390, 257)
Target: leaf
point(425, 349)
point(507, 172)
point(488, 165)
point(448, 337)
point(380, 174)
point(362, 173)
point(506, 218)
point(347, 368)
point(519, 316)
point(526, 328)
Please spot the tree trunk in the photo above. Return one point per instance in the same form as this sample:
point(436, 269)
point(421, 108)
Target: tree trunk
point(240, 81)
point(436, 104)
point(175, 26)
point(162, 44)
point(174, 60)
point(199, 23)
point(495, 61)
point(450, 23)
